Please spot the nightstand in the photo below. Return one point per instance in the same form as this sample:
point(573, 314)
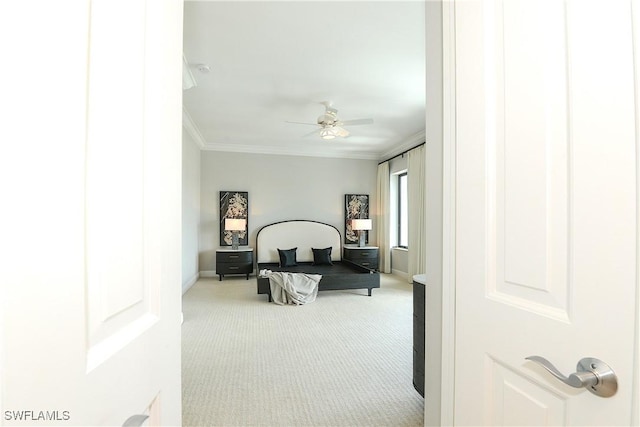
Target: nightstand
point(419, 281)
point(366, 256)
point(230, 261)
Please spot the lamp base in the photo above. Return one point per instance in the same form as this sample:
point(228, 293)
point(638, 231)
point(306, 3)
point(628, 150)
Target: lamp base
point(361, 238)
point(235, 241)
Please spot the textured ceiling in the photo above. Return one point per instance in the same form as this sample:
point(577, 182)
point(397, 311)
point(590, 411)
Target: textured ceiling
point(272, 62)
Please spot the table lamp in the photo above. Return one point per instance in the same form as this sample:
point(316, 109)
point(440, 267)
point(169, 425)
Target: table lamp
point(235, 225)
point(360, 225)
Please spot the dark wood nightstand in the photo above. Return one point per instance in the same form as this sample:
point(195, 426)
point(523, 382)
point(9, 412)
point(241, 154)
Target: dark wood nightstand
point(419, 281)
point(230, 261)
point(366, 256)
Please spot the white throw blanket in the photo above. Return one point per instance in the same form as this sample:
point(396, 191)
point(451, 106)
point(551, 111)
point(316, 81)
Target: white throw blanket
point(293, 288)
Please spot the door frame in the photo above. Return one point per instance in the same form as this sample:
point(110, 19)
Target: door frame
point(447, 396)
point(635, 22)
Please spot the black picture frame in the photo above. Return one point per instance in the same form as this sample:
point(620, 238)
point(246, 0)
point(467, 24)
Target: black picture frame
point(356, 206)
point(234, 205)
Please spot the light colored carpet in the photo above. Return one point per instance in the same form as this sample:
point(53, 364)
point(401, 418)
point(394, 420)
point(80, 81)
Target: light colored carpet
point(343, 360)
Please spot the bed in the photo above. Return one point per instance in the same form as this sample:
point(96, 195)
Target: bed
point(305, 236)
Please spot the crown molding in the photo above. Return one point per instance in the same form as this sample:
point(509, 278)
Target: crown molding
point(192, 129)
point(407, 144)
point(282, 151)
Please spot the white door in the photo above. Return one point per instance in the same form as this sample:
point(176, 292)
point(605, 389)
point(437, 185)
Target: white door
point(91, 224)
point(546, 202)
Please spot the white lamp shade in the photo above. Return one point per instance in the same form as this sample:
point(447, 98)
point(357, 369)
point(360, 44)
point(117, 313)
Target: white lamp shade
point(361, 224)
point(235, 224)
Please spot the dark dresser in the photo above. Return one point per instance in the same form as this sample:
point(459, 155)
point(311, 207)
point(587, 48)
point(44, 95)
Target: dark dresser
point(230, 261)
point(366, 256)
point(418, 332)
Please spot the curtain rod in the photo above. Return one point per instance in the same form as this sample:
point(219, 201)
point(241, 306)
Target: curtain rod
point(403, 153)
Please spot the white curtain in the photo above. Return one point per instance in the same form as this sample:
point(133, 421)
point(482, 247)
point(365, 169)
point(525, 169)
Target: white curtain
point(416, 184)
point(382, 224)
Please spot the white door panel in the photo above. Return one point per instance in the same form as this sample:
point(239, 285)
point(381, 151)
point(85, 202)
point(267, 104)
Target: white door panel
point(117, 212)
point(91, 321)
point(546, 208)
point(529, 174)
point(518, 401)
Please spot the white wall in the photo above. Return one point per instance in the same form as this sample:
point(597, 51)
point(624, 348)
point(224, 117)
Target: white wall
point(190, 210)
point(280, 188)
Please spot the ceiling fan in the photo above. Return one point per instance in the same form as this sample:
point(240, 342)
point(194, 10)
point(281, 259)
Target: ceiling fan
point(330, 126)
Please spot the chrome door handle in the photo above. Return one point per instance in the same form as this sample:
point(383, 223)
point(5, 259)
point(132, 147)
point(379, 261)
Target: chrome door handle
point(135, 421)
point(592, 374)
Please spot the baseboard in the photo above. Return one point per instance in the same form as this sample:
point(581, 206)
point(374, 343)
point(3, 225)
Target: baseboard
point(189, 283)
point(399, 273)
point(208, 273)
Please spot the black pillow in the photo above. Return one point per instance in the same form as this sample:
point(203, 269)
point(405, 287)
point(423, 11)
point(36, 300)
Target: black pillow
point(322, 256)
point(287, 257)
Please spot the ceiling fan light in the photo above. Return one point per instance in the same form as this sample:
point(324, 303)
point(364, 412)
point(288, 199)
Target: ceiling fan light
point(327, 134)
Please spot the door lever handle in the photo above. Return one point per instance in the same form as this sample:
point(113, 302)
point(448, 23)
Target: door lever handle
point(135, 421)
point(592, 374)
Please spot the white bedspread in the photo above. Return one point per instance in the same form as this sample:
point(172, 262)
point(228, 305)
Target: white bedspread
point(293, 288)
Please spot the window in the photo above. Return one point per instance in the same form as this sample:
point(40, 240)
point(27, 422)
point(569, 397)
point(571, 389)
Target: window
point(403, 212)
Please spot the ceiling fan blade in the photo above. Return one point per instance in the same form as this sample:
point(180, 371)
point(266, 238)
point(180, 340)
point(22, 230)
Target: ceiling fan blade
point(300, 123)
point(357, 122)
point(315, 132)
point(341, 132)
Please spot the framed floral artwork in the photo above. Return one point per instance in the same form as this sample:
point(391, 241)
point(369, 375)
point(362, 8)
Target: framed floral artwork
point(234, 205)
point(356, 207)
